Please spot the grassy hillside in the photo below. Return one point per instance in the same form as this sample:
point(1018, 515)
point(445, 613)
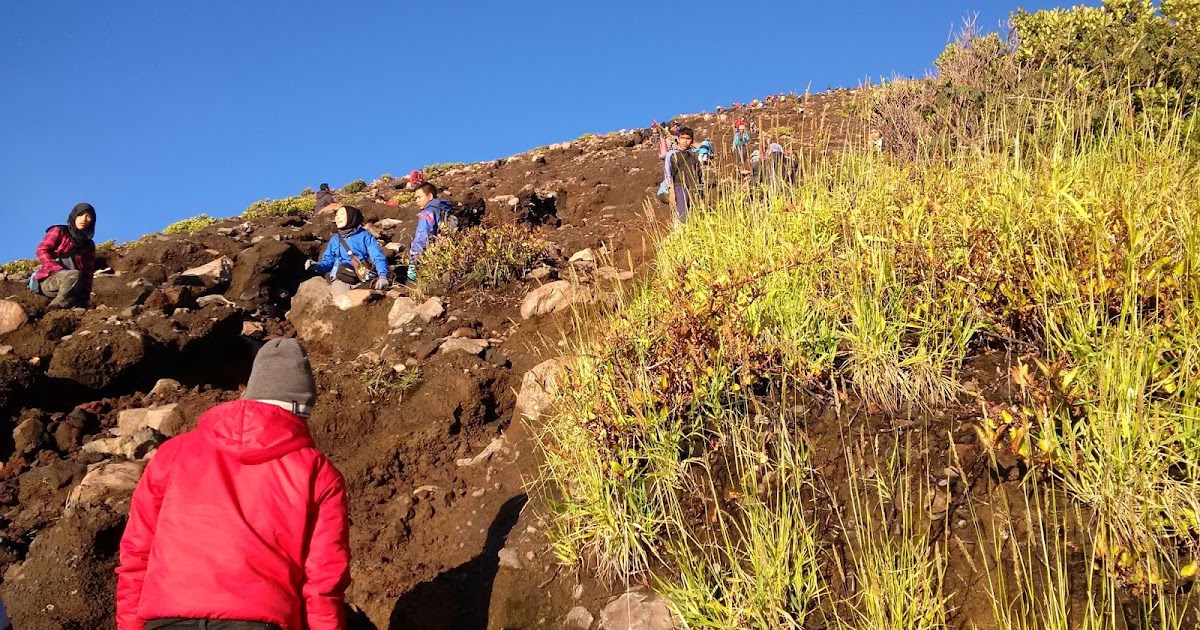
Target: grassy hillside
point(958, 377)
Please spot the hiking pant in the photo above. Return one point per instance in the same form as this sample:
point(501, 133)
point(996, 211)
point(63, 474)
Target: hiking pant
point(741, 153)
point(207, 624)
point(682, 198)
point(66, 287)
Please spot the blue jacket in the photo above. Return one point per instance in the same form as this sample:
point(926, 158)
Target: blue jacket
point(429, 219)
point(365, 248)
point(740, 138)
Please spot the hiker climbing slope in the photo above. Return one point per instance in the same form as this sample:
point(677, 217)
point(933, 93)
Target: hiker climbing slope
point(683, 175)
point(429, 220)
point(68, 260)
point(241, 523)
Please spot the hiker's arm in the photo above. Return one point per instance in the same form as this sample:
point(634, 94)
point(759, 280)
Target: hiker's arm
point(327, 565)
point(378, 258)
point(46, 249)
point(328, 260)
point(420, 238)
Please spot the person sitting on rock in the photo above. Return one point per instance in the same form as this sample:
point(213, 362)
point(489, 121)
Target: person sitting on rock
point(353, 257)
point(241, 523)
point(429, 221)
point(324, 197)
point(68, 257)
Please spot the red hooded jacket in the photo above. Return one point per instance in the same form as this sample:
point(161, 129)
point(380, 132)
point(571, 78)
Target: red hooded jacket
point(242, 519)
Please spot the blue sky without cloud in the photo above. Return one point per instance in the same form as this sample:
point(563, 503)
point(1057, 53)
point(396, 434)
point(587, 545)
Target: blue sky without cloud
point(156, 111)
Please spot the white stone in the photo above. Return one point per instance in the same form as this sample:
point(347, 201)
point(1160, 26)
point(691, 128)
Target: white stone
point(388, 224)
point(538, 388)
point(554, 297)
point(216, 272)
point(353, 298)
point(578, 619)
point(166, 419)
point(510, 559)
point(405, 310)
point(107, 482)
point(583, 255)
point(133, 446)
point(460, 344)
point(12, 316)
point(214, 299)
point(637, 610)
point(487, 452)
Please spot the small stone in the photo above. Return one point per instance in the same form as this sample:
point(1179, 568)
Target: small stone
point(470, 346)
point(30, 435)
point(354, 298)
point(393, 248)
point(578, 618)
point(388, 224)
point(251, 329)
point(108, 482)
point(509, 559)
point(213, 299)
point(166, 419)
point(465, 333)
point(637, 610)
point(541, 273)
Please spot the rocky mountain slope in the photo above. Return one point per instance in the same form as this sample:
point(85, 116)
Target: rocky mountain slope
point(421, 396)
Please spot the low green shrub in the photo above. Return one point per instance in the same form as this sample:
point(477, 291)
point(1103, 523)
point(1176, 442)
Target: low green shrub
point(286, 207)
point(19, 266)
point(434, 170)
point(188, 226)
point(107, 246)
point(307, 191)
point(481, 256)
point(404, 197)
point(355, 186)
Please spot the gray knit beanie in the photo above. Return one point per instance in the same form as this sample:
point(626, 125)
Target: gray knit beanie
point(282, 376)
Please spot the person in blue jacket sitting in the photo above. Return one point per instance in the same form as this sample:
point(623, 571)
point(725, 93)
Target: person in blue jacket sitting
point(429, 221)
point(339, 266)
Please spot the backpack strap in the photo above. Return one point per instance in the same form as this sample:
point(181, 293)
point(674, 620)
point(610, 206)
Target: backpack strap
point(358, 264)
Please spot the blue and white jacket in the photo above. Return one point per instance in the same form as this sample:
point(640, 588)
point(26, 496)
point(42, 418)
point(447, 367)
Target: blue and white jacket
point(429, 219)
point(363, 244)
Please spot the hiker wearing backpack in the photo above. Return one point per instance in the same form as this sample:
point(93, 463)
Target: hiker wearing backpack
point(353, 257)
point(68, 260)
point(684, 178)
point(324, 197)
point(242, 523)
point(429, 221)
point(741, 141)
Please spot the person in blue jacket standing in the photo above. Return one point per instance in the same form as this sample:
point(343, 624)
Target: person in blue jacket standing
point(429, 221)
point(353, 257)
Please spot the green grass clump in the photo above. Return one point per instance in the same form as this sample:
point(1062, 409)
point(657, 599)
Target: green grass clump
point(404, 197)
point(781, 130)
point(434, 170)
point(189, 226)
point(19, 266)
point(481, 257)
point(355, 186)
point(286, 207)
point(107, 246)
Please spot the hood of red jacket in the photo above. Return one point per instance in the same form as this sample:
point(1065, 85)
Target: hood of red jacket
point(254, 432)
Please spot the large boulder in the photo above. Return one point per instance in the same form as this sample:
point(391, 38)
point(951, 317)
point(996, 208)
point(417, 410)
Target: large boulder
point(638, 610)
point(554, 297)
point(265, 273)
point(133, 445)
point(98, 358)
point(12, 316)
point(538, 388)
point(308, 314)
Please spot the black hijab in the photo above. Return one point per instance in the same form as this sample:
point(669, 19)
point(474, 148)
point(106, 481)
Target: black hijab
point(81, 238)
point(354, 220)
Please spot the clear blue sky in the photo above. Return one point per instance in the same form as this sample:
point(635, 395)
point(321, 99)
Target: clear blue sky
point(154, 111)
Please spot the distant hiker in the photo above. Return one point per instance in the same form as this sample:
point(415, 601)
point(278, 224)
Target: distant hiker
point(345, 260)
point(704, 151)
point(429, 221)
point(683, 176)
point(68, 257)
point(876, 138)
point(776, 169)
point(741, 141)
point(324, 197)
point(241, 523)
point(414, 179)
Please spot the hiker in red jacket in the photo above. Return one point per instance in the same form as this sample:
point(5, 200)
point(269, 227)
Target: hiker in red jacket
point(68, 257)
point(242, 523)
